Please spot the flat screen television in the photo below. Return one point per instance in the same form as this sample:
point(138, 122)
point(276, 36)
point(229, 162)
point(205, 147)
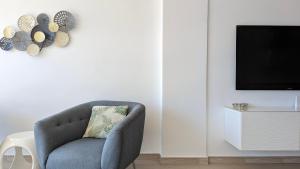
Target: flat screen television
point(268, 57)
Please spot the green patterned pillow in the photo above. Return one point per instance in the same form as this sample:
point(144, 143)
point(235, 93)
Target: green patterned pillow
point(103, 119)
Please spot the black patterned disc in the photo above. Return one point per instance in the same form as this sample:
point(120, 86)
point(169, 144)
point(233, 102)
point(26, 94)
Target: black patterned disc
point(49, 36)
point(65, 21)
point(6, 44)
point(21, 40)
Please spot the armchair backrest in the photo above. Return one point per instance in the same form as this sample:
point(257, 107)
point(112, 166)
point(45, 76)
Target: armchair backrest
point(67, 126)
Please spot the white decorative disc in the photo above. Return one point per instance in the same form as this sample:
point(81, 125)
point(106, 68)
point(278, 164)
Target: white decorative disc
point(62, 39)
point(53, 27)
point(9, 32)
point(26, 23)
point(39, 36)
point(33, 50)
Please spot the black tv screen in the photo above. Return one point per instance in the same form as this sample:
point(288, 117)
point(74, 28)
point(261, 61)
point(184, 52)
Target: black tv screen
point(268, 58)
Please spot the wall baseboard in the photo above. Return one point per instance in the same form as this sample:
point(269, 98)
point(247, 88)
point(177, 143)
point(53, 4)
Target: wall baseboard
point(184, 161)
point(156, 158)
point(254, 160)
point(219, 160)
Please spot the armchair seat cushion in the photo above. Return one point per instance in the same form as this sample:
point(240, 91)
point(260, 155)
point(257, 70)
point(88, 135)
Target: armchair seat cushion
point(78, 154)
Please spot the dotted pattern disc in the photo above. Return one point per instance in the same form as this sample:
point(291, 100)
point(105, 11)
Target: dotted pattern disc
point(6, 44)
point(49, 37)
point(26, 23)
point(65, 21)
point(21, 40)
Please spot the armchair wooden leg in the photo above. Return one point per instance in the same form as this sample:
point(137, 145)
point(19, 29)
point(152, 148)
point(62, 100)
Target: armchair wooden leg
point(133, 165)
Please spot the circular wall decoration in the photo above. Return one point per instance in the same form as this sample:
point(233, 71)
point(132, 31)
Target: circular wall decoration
point(9, 32)
point(65, 20)
point(33, 49)
point(36, 33)
point(21, 40)
point(49, 37)
point(62, 39)
point(6, 44)
point(26, 23)
point(53, 27)
point(39, 36)
point(42, 19)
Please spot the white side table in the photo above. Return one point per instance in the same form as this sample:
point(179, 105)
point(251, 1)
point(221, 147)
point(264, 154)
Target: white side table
point(19, 141)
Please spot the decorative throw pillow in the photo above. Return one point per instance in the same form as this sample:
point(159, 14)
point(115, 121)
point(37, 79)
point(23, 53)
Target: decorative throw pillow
point(103, 119)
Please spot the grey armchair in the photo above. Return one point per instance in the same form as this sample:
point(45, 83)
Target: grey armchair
point(60, 145)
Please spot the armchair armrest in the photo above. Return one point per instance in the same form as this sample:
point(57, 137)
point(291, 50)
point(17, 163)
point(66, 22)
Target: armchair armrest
point(123, 144)
point(60, 129)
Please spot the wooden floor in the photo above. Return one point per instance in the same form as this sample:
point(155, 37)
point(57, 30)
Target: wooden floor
point(153, 164)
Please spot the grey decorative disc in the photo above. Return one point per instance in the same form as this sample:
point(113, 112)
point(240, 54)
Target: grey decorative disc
point(65, 20)
point(43, 20)
point(6, 44)
point(49, 37)
point(21, 40)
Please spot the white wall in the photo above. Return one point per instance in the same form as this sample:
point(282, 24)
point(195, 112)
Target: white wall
point(115, 54)
point(223, 17)
point(184, 78)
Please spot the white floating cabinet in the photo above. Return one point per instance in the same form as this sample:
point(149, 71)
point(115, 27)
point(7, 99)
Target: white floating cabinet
point(263, 129)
